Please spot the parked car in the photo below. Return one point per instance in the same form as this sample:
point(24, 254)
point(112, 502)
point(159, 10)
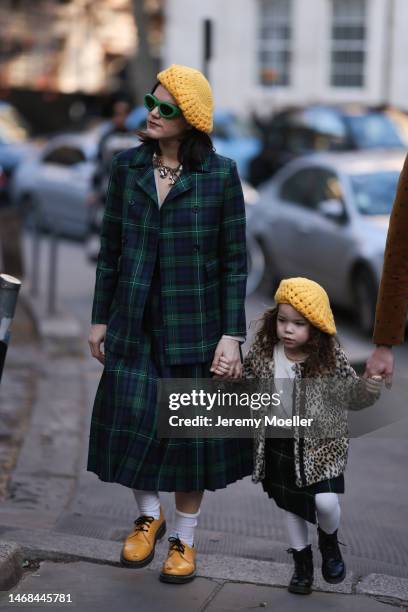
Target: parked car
point(232, 136)
point(316, 128)
point(14, 147)
point(326, 217)
point(55, 184)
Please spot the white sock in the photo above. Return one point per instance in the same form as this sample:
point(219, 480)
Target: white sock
point(184, 526)
point(297, 530)
point(148, 502)
point(328, 511)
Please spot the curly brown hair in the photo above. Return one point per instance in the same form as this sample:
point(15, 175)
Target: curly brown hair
point(320, 347)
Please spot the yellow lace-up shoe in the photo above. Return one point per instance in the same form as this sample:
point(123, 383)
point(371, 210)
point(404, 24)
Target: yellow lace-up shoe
point(180, 564)
point(138, 548)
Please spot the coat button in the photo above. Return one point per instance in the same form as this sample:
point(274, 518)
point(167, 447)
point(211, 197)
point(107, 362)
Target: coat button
point(195, 209)
point(196, 247)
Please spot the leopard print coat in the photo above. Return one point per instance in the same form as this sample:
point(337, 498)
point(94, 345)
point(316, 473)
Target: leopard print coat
point(321, 455)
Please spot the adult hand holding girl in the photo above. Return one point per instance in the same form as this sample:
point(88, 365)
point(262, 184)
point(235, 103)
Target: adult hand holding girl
point(227, 359)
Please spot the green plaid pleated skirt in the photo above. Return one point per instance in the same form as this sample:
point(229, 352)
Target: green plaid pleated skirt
point(123, 442)
point(280, 480)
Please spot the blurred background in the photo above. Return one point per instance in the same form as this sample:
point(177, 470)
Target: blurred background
point(311, 100)
point(307, 94)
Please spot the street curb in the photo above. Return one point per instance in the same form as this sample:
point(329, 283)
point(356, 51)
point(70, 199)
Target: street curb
point(383, 586)
point(42, 545)
point(11, 560)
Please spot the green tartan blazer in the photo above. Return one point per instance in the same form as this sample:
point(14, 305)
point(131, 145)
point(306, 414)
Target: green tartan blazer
point(199, 235)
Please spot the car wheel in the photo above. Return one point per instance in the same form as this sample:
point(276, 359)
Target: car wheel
point(365, 299)
point(256, 265)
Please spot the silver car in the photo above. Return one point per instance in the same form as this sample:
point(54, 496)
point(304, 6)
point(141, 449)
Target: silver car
point(326, 217)
point(56, 183)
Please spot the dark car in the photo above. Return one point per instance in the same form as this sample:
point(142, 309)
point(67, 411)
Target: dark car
point(316, 128)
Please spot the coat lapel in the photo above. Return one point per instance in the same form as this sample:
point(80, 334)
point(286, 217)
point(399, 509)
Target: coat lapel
point(183, 183)
point(142, 170)
point(142, 167)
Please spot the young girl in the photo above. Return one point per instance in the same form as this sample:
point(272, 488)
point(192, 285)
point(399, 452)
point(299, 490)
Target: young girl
point(304, 475)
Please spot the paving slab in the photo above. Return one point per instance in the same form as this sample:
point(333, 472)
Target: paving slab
point(386, 586)
point(251, 597)
point(109, 588)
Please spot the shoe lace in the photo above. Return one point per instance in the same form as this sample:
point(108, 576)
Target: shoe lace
point(142, 522)
point(176, 544)
point(332, 546)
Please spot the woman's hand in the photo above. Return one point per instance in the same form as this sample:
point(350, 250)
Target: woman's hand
point(227, 359)
point(96, 337)
point(381, 363)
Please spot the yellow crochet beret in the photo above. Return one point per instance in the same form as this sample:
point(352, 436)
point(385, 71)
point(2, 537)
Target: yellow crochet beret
point(193, 94)
point(308, 298)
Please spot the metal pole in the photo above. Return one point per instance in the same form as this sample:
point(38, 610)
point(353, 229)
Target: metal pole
point(388, 63)
point(9, 288)
point(52, 275)
point(207, 48)
point(35, 260)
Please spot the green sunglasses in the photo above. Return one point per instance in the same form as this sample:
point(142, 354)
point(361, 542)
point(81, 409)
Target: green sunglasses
point(166, 110)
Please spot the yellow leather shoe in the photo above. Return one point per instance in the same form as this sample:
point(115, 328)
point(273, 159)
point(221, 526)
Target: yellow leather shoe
point(180, 566)
point(138, 548)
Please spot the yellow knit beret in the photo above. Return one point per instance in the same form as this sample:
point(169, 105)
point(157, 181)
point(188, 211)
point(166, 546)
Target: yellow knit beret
point(193, 94)
point(308, 298)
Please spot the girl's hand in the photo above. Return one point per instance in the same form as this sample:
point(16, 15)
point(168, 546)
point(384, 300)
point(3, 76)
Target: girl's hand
point(222, 368)
point(374, 384)
point(96, 337)
point(227, 359)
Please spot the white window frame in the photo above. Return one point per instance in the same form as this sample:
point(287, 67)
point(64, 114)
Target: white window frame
point(270, 14)
point(341, 71)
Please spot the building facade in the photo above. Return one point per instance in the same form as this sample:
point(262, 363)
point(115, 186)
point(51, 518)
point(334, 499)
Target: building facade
point(271, 53)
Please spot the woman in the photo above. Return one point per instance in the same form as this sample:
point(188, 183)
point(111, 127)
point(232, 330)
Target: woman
point(169, 303)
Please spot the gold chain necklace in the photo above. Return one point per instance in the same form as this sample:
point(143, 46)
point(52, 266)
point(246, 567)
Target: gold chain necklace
point(164, 171)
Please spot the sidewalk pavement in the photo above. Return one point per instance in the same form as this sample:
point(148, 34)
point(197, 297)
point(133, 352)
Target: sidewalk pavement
point(36, 556)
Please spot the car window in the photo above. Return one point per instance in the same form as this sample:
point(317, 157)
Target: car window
point(64, 156)
point(374, 130)
point(310, 186)
point(298, 188)
point(326, 186)
point(374, 193)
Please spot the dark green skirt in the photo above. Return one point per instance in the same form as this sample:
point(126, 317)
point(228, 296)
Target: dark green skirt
point(280, 481)
point(123, 443)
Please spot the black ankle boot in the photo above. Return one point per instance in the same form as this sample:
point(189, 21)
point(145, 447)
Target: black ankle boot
point(302, 579)
point(333, 567)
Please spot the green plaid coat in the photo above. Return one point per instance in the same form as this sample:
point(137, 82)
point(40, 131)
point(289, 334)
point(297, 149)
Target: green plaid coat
point(199, 232)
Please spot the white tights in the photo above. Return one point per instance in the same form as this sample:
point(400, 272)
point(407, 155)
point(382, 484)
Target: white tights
point(328, 518)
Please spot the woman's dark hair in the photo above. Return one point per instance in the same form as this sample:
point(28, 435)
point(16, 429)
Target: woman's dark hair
point(320, 346)
point(194, 145)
